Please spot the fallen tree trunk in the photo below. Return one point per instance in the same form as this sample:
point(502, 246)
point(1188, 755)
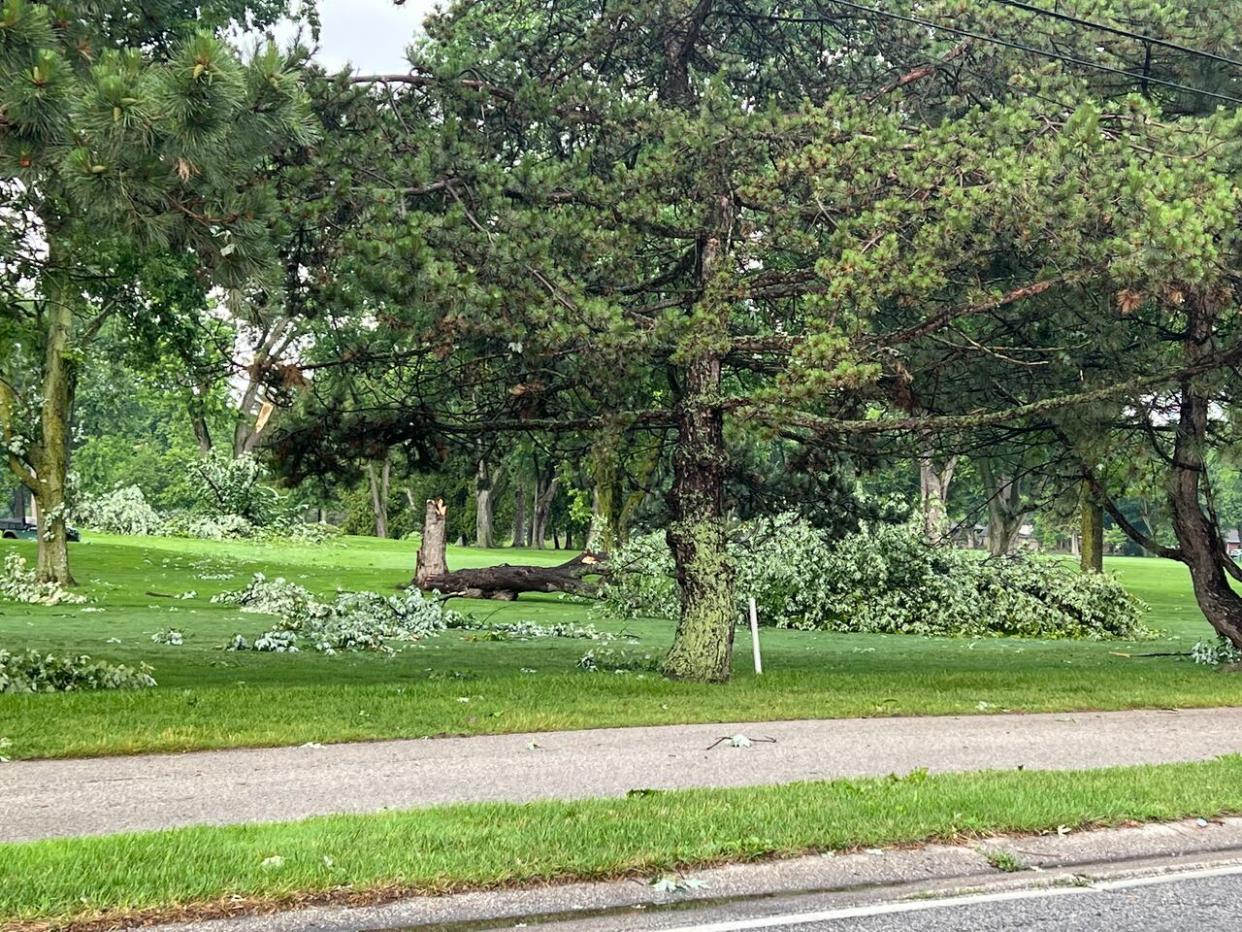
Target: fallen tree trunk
point(505, 582)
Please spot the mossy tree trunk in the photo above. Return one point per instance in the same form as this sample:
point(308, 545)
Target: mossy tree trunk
point(1092, 548)
point(703, 644)
point(52, 454)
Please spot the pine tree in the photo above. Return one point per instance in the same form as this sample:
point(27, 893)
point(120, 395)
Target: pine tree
point(125, 137)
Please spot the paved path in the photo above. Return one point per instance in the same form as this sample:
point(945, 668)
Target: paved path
point(40, 799)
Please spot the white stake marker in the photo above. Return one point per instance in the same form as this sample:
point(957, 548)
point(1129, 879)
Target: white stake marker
point(754, 635)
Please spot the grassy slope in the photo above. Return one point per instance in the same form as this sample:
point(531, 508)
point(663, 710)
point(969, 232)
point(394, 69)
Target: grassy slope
point(210, 698)
point(434, 850)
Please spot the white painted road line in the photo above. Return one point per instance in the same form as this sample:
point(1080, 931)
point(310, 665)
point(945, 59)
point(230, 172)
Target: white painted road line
point(885, 909)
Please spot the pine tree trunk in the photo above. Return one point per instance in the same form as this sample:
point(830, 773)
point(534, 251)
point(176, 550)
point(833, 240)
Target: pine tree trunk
point(1198, 535)
point(702, 647)
point(1092, 546)
point(703, 643)
point(52, 457)
point(432, 557)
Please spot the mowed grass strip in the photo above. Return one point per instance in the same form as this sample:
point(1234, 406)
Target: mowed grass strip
point(351, 858)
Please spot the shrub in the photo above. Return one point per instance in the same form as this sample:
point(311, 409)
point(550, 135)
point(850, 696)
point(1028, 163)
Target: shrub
point(887, 579)
point(19, 583)
point(232, 503)
point(35, 672)
point(121, 511)
point(302, 532)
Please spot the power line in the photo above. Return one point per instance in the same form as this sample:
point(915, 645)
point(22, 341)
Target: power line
point(1117, 31)
point(994, 40)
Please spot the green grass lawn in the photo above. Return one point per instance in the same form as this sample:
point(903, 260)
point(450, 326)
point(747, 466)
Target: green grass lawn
point(222, 871)
point(209, 698)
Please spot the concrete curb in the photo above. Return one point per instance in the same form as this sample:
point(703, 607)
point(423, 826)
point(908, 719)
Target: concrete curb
point(768, 888)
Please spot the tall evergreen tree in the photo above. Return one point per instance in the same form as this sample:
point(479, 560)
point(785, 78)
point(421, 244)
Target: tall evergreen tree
point(800, 219)
point(125, 136)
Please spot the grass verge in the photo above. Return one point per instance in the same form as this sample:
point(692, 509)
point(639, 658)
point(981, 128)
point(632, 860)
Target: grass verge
point(206, 871)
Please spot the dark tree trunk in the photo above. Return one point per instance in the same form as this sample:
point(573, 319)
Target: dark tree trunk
point(546, 485)
point(519, 513)
point(1198, 534)
point(1092, 547)
point(1005, 509)
point(502, 582)
point(198, 420)
point(506, 582)
point(432, 560)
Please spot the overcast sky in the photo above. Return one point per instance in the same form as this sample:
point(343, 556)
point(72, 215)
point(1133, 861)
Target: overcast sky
point(371, 35)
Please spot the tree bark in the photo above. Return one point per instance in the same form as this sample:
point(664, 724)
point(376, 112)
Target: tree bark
point(380, 483)
point(484, 532)
point(198, 420)
point(507, 581)
point(432, 560)
point(598, 531)
point(1092, 547)
point(52, 455)
point(934, 483)
point(607, 497)
point(546, 485)
point(519, 513)
point(1005, 509)
point(702, 646)
point(703, 643)
point(1198, 535)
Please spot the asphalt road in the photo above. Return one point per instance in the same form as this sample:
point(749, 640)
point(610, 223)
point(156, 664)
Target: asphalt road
point(1210, 903)
point(43, 799)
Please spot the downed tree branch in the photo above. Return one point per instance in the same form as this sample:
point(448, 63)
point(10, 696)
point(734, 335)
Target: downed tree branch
point(505, 582)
